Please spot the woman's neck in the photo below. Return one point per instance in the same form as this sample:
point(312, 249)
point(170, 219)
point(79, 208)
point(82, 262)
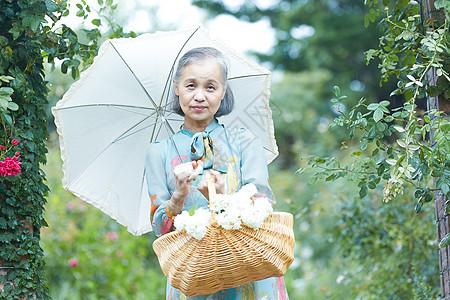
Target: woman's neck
point(196, 126)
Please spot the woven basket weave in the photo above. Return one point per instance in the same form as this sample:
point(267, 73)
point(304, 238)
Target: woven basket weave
point(226, 258)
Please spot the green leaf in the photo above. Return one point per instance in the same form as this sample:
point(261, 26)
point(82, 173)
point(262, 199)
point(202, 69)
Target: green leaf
point(391, 161)
point(445, 241)
point(96, 22)
point(16, 31)
point(3, 42)
point(427, 198)
point(8, 119)
point(442, 4)
point(51, 6)
point(65, 65)
point(418, 207)
point(378, 114)
point(385, 103)
point(445, 189)
point(363, 191)
point(388, 119)
point(367, 20)
point(373, 106)
point(3, 103)
point(372, 185)
point(399, 128)
point(445, 127)
point(401, 143)
point(8, 287)
point(363, 145)
point(336, 91)
point(413, 147)
point(6, 78)
point(192, 210)
point(80, 13)
point(13, 106)
point(100, 2)
point(331, 177)
point(418, 193)
point(33, 22)
point(6, 91)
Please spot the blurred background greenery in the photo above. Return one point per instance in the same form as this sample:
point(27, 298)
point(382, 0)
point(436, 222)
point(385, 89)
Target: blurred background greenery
point(346, 248)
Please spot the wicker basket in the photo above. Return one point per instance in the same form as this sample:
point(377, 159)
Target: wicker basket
point(226, 258)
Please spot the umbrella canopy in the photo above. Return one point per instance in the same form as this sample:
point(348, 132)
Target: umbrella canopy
point(120, 104)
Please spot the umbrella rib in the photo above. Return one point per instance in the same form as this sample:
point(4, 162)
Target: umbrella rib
point(270, 150)
point(104, 104)
point(246, 76)
point(123, 136)
point(157, 132)
point(135, 76)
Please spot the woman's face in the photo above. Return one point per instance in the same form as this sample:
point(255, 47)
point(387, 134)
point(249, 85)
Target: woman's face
point(200, 91)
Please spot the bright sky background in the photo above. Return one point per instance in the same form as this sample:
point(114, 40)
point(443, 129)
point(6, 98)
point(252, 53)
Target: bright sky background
point(241, 36)
point(173, 14)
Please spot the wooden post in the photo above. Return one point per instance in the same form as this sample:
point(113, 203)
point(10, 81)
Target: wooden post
point(442, 220)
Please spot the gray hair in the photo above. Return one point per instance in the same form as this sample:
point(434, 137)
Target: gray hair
point(200, 54)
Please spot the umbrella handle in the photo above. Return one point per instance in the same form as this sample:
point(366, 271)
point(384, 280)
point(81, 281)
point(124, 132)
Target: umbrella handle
point(196, 171)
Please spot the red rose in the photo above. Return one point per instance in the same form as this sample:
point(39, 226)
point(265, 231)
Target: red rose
point(10, 166)
point(15, 142)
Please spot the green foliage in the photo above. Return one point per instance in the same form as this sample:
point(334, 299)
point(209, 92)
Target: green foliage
point(386, 249)
point(409, 47)
point(31, 35)
point(393, 150)
point(91, 256)
point(350, 248)
point(300, 120)
point(22, 197)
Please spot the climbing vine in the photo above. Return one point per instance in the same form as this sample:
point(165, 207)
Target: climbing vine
point(31, 35)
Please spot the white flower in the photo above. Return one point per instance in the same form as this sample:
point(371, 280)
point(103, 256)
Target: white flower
point(251, 219)
point(194, 225)
point(248, 190)
point(263, 206)
point(231, 211)
point(230, 218)
point(255, 215)
point(220, 203)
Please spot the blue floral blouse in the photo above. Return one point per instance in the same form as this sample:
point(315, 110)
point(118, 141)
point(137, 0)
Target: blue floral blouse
point(239, 156)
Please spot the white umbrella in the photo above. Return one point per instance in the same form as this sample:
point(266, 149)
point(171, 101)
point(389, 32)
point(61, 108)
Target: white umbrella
point(120, 104)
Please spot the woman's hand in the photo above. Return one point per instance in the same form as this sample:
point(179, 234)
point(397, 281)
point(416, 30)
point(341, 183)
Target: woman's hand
point(218, 182)
point(184, 174)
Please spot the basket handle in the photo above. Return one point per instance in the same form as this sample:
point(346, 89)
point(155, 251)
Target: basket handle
point(211, 191)
point(211, 187)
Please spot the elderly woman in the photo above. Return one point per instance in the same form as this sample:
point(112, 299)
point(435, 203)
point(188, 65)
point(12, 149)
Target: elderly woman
point(233, 157)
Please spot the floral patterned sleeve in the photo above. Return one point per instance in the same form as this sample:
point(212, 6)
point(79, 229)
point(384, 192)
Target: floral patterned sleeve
point(253, 163)
point(158, 189)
